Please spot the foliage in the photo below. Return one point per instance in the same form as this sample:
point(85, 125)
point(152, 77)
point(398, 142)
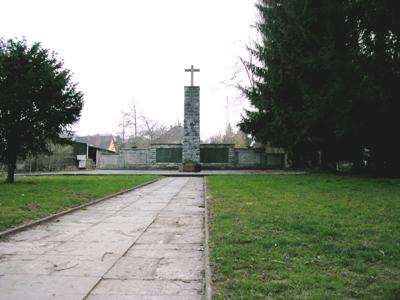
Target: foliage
point(190, 162)
point(38, 100)
point(36, 197)
point(304, 237)
point(326, 79)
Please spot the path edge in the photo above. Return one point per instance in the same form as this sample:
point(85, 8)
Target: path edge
point(64, 212)
point(208, 288)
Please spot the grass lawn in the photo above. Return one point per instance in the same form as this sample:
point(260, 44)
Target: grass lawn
point(39, 196)
point(305, 237)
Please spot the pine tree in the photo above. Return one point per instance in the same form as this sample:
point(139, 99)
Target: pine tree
point(325, 79)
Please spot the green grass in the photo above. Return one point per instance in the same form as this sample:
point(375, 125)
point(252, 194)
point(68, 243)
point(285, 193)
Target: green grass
point(32, 198)
point(305, 237)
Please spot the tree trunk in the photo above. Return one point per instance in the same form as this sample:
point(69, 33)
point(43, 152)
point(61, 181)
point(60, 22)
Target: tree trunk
point(11, 170)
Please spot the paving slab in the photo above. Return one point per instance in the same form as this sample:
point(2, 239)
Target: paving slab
point(148, 289)
point(40, 287)
point(145, 244)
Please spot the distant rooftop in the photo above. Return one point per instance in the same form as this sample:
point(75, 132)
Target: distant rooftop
point(105, 142)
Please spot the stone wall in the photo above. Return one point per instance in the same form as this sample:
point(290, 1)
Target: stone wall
point(250, 158)
point(276, 157)
point(109, 161)
point(227, 163)
point(153, 163)
point(229, 158)
point(275, 160)
point(125, 159)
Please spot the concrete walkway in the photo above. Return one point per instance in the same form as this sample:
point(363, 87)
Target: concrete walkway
point(145, 244)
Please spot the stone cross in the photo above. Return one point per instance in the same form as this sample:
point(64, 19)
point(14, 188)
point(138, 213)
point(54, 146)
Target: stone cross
point(192, 70)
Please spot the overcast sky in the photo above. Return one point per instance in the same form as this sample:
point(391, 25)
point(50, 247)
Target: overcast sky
point(125, 50)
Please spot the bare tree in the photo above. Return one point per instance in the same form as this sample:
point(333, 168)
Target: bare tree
point(129, 121)
point(126, 122)
point(133, 113)
point(137, 129)
point(246, 65)
point(152, 129)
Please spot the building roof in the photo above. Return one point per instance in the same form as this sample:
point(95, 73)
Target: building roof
point(98, 141)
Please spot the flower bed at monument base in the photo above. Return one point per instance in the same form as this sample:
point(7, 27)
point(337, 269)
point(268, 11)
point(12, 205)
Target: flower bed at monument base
point(189, 167)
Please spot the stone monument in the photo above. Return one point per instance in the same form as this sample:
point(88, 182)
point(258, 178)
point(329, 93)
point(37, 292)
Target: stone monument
point(191, 124)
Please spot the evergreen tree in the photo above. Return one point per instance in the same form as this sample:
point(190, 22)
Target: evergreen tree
point(316, 84)
point(37, 101)
point(377, 103)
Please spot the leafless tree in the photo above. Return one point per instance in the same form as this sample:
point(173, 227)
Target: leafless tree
point(126, 122)
point(133, 113)
point(152, 129)
point(137, 129)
